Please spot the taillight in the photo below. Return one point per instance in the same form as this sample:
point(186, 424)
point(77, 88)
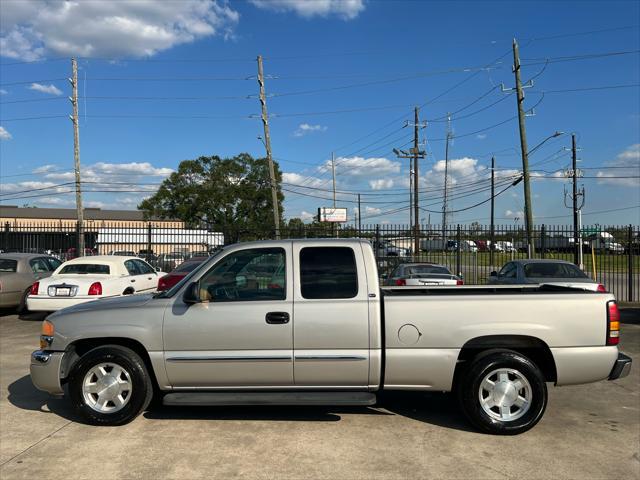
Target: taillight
point(459, 282)
point(613, 323)
point(34, 288)
point(95, 288)
point(401, 282)
point(162, 284)
point(601, 288)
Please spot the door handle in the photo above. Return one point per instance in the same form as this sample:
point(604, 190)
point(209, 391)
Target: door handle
point(273, 318)
point(133, 281)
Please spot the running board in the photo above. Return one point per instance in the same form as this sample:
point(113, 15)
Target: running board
point(269, 398)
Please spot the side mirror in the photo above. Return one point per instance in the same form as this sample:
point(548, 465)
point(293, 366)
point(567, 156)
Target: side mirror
point(191, 294)
point(158, 269)
point(493, 274)
point(384, 276)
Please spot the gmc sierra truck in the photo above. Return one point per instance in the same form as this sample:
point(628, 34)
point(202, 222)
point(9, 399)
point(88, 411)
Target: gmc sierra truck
point(305, 322)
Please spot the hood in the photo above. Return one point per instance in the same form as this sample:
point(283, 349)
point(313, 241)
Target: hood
point(125, 301)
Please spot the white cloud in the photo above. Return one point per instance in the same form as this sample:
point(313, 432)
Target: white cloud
point(305, 128)
point(3, 91)
point(31, 30)
point(511, 214)
point(481, 136)
point(4, 134)
point(306, 216)
point(627, 164)
point(297, 179)
point(50, 89)
point(44, 169)
point(381, 183)
point(361, 167)
point(345, 9)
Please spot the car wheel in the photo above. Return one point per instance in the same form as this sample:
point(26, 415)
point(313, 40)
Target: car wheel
point(22, 306)
point(110, 385)
point(503, 393)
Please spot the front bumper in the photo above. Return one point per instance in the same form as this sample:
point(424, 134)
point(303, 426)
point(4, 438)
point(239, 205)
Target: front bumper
point(621, 368)
point(45, 371)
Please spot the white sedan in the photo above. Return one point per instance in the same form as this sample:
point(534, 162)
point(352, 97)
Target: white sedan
point(89, 278)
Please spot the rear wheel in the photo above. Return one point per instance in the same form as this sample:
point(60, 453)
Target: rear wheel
point(22, 306)
point(110, 385)
point(503, 393)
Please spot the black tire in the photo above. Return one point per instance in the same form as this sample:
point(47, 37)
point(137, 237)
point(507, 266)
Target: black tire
point(22, 306)
point(141, 386)
point(469, 394)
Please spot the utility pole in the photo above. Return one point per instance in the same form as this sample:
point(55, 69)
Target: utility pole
point(446, 182)
point(333, 172)
point(577, 227)
point(267, 145)
point(492, 231)
point(359, 216)
point(414, 154)
point(76, 156)
point(528, 213)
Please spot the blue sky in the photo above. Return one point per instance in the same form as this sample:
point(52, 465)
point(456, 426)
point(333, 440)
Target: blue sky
point(343, 77)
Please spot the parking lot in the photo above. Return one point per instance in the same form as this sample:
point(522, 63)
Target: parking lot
point(589, 431)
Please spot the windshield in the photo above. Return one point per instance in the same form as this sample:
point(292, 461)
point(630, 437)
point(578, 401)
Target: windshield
point(426, 269)
point(552, 270)
point(173, 290)
point(84, 269)
point(187, 266)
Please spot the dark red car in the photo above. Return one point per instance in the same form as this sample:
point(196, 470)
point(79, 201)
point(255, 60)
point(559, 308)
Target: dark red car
point(181, 271)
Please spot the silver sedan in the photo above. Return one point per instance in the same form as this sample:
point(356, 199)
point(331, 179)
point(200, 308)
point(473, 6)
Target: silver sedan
point(18, 271)
point(549, 272)
point(422, 275)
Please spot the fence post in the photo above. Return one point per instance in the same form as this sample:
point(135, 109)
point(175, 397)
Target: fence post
point(149, 240)
point(7, 227)
point(458, 242)
point(542, 241)
point(630, 264)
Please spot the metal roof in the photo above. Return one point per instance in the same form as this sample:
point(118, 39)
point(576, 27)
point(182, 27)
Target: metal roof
point(12, 211)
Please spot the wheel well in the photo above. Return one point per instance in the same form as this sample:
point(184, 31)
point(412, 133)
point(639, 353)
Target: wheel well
point(531, 347)
point(77, 349)
point(128, 291)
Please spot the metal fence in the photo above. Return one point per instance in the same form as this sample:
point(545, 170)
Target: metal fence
point(609, 254)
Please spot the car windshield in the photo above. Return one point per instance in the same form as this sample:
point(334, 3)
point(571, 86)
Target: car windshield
point(426, 269)
point(85, 268)
point(8, 265)
point(187, 267)
point(552, 270)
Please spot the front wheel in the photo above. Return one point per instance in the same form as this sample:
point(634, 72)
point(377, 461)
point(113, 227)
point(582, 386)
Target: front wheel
point(503, 393)
point(110, 385)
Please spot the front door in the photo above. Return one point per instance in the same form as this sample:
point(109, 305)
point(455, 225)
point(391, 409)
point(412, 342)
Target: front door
point(241, 334)
point(331, 329)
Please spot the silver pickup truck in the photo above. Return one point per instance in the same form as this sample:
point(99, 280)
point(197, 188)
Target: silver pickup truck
point(305, 322)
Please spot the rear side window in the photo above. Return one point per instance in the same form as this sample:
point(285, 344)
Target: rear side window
point(39, 265)
point(7, 265)
point(85, 268)
point(328, 272)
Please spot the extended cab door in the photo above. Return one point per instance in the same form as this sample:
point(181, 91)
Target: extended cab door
point(331, 328)
point(241, 333)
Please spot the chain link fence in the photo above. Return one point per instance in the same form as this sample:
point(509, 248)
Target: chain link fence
point(609, 254)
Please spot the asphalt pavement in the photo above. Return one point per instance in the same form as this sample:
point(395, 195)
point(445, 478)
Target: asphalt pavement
point(588, 431)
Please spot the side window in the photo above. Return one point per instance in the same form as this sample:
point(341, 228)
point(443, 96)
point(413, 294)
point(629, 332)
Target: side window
point(328, 272)
point(53, 263)
point(39, 265)
point(131, 267)
point(508, 271)
point(247, 275)
point(143, 267)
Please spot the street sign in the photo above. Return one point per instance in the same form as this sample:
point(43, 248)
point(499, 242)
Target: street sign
point(330, 214)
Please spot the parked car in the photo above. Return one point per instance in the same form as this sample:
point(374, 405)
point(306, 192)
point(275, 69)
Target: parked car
point(322, 332)
point(504, 246)
point(169, 261)
point(90, 278)
point(18, 271)
point(422, 274)
point(548, 272)
point(181, 271)
point(386, 248)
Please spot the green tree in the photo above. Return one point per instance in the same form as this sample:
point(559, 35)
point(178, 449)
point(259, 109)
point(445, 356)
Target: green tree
point(231, 195)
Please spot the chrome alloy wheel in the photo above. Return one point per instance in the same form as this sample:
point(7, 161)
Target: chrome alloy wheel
point(505, 394)
point(107, 388)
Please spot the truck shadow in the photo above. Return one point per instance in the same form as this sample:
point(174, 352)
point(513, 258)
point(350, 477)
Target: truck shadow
point(431, 408)
point(435, 409)
point(33, 316)
point(24, 395)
